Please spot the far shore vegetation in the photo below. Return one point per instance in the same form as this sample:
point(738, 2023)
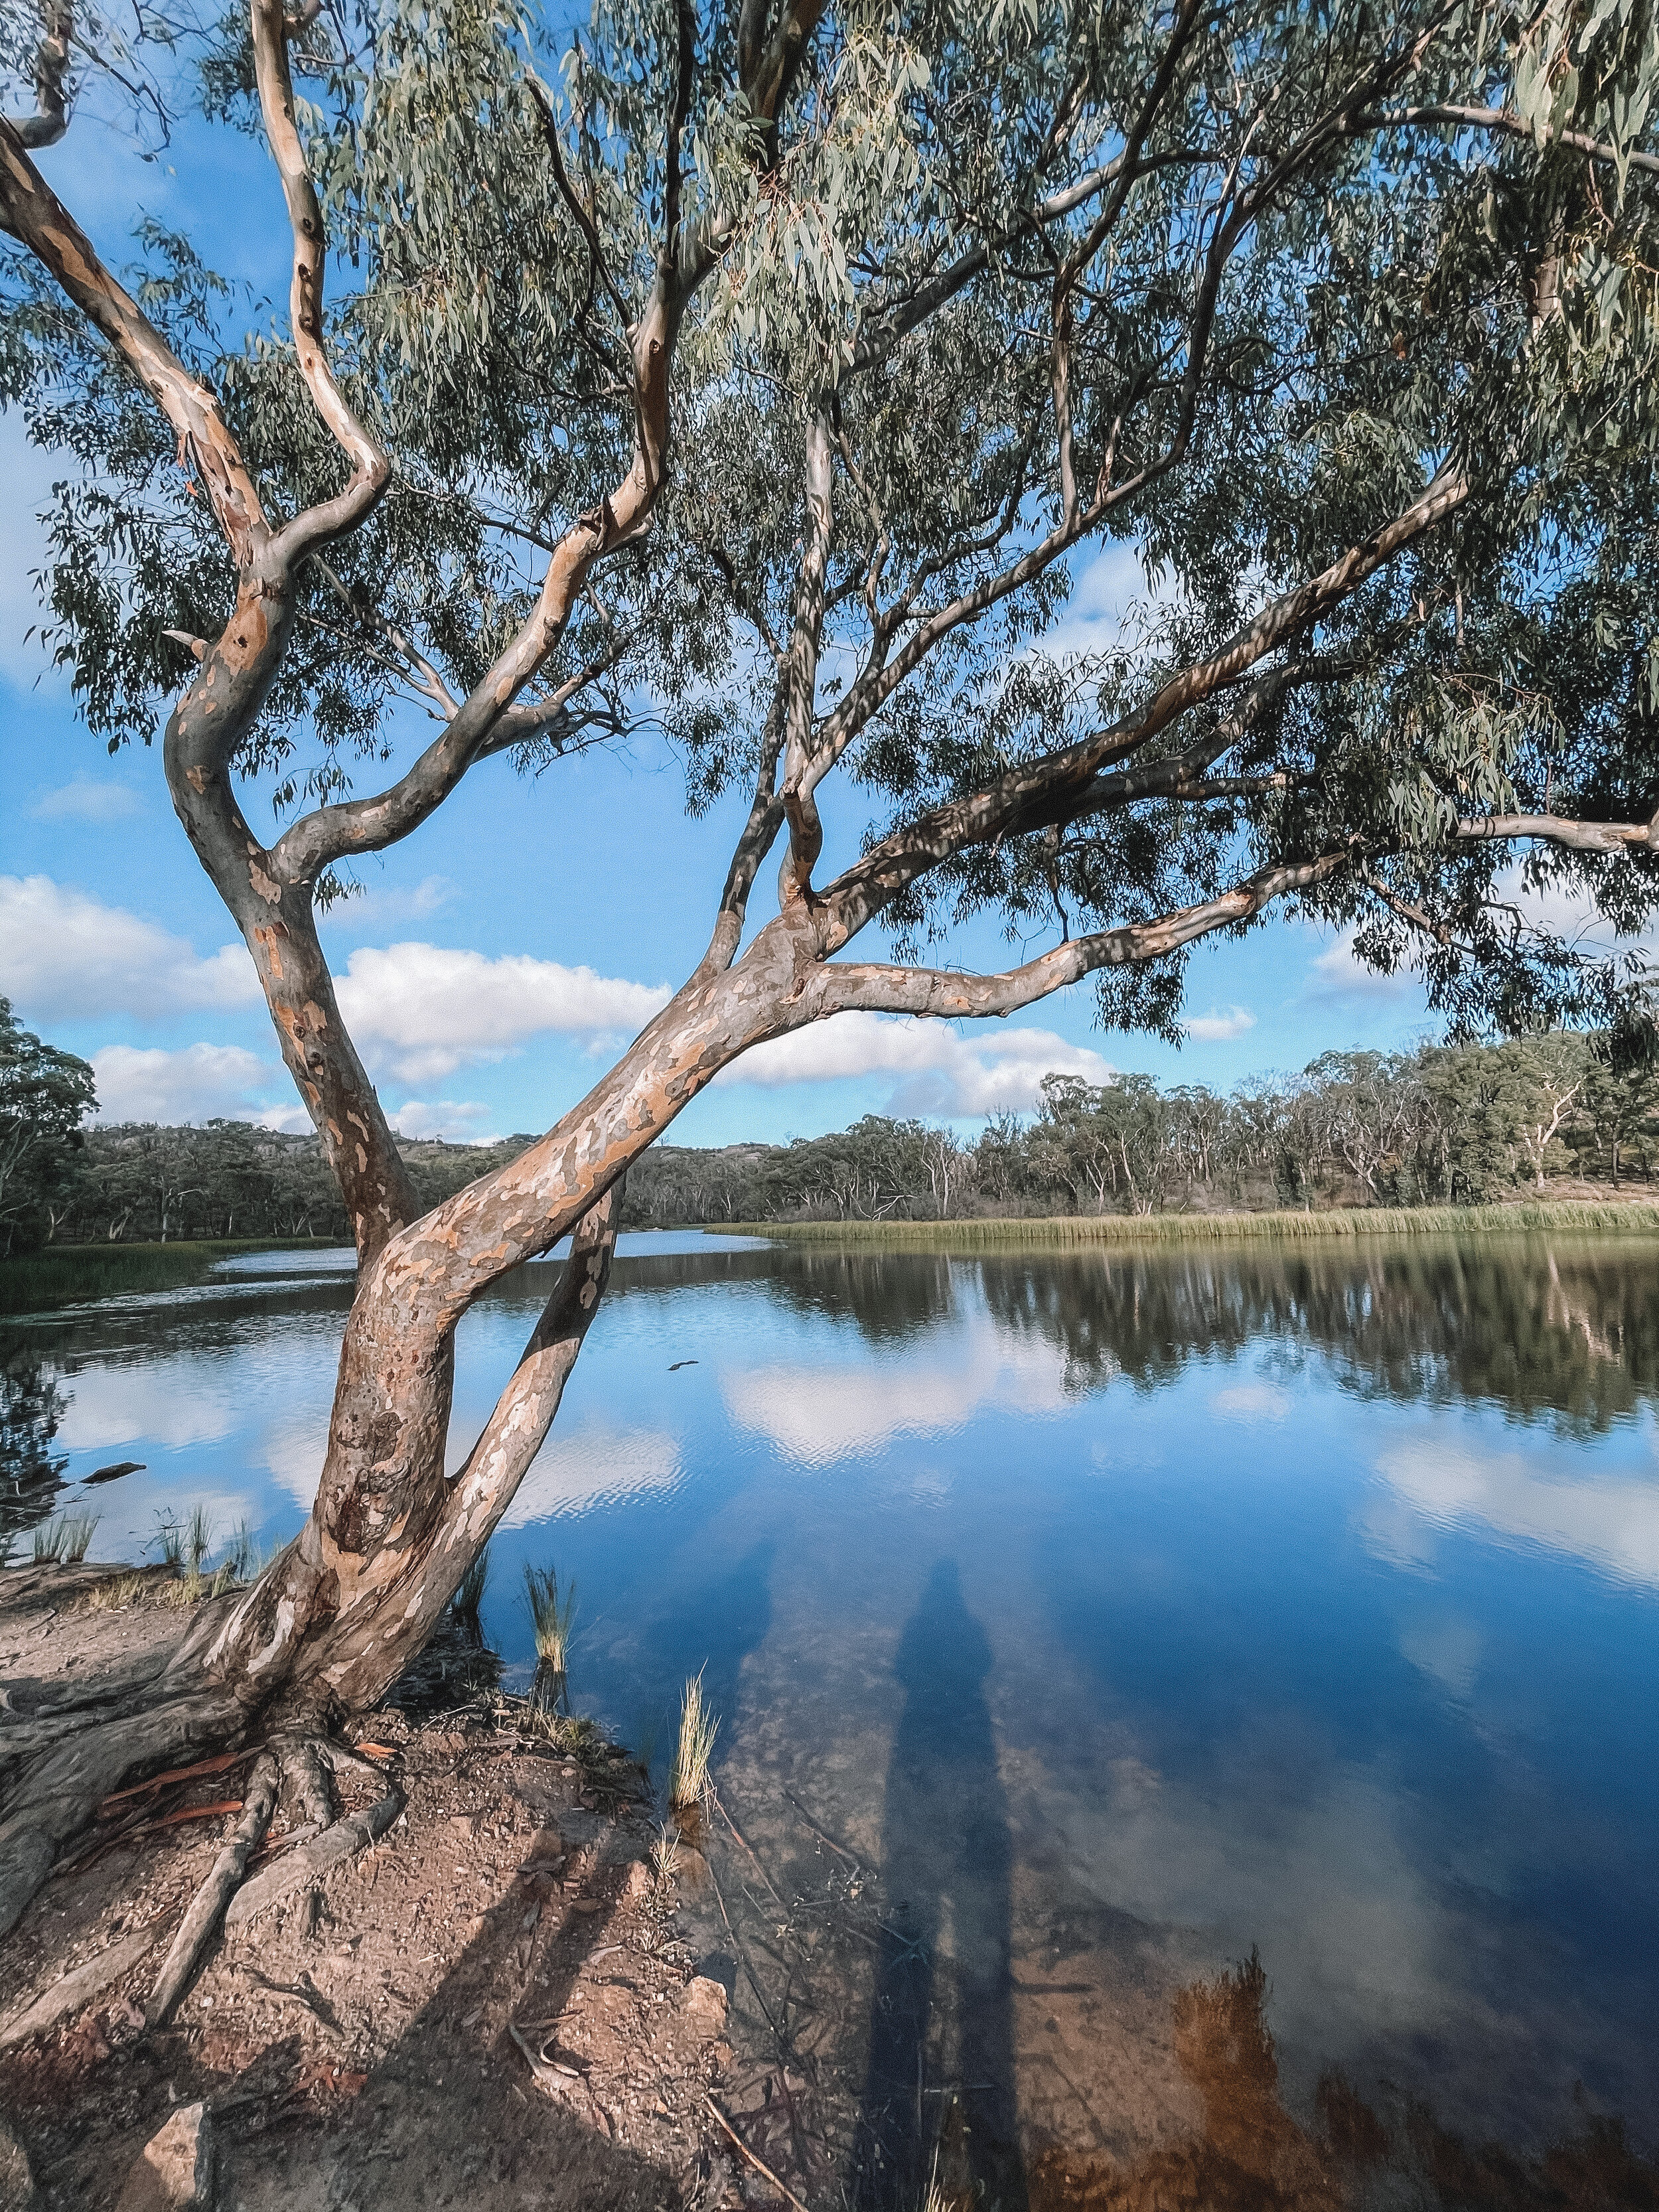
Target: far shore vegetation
point(1547, 1132)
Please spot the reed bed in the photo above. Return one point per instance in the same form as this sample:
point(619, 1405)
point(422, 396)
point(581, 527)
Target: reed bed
point(1071, 1231)
point(64, 1539)
point(69, 1274)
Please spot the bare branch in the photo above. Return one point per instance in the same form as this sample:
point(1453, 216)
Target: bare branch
point(32, 213)
point(947, 995)
point(1560, 829)
point(50, 117)
point(370, 469)
point(1053, 788)
point(1503, 118)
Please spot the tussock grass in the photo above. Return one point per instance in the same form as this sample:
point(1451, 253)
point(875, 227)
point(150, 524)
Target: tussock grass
point(1071, 1231)
point(64, 1539)
point(688, 1778)
point(552, 1616)
point(666, 1856)
point(470, 1597)
point(243, 1557)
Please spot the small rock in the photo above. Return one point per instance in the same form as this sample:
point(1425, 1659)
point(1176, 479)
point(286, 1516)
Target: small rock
point(464, 1824)
point(636, 1883)
point(702, 2007)
point(16, 2182)
point(174, 2172)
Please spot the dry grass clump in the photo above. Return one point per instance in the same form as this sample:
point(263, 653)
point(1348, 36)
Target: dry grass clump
point(1066, 1231)
point(666, 1856)
point(116, 1594)
point(688, 1778)
point(553, 1616)
point(65, 1540)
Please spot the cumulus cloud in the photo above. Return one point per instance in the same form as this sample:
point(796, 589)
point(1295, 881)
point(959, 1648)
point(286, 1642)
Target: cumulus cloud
point(816, 1416)
point(199, 1084)
point(594, 1465)
point(460, 1120)
point(1097, 614)
point(84, 800)
point(62, 953)
point(424, 1010)
point(939, 1069)
point(1251, 1401)
point(1218, 1029)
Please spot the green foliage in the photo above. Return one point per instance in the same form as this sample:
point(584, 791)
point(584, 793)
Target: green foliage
point(1292, 326)
point(44, 1095)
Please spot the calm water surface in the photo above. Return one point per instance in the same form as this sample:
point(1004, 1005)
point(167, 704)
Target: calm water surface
point(1129, 1613)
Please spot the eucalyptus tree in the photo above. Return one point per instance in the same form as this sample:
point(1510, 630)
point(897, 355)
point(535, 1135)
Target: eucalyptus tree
point(779, 362)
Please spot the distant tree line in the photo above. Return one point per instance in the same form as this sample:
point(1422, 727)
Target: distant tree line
point(1446, 1124)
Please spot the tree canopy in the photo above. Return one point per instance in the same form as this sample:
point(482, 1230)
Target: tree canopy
point(44, 1095)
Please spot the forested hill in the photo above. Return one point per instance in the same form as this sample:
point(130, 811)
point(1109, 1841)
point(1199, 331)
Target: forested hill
point(1443, 1125)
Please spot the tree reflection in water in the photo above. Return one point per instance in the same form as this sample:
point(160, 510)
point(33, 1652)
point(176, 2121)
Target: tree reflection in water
point(31, 1407)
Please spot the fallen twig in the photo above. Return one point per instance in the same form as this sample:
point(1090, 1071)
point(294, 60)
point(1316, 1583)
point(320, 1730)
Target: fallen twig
point(759, 2164)
point(219, 1765)
point(820, 1833)
point(743, 1840)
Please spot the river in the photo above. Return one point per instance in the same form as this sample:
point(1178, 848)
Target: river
point(1120, 1615)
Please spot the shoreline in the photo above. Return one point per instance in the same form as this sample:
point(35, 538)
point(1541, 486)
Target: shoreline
point(1618, 1217)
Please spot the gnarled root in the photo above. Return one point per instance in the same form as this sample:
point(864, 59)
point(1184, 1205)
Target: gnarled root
point(207, 1908)
point(305, 1765)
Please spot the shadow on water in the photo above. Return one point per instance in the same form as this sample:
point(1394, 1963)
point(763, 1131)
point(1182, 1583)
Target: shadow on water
point(940, 2089)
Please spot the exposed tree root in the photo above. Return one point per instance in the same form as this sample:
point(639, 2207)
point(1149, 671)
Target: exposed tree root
point(340, 1840)
point(207, 1909)
point(59, 1790)
point(298, 1769)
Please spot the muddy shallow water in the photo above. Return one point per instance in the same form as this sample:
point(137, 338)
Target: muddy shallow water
point(1081, 1628)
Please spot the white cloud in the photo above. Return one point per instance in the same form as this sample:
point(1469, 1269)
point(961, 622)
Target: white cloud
point(82, 800)
point(391, 902)
point(817, 1415)
point(1341, 973)
point(62, 953)
point(1218, 1029)
point(1611, 1522)
point(457, 1119)
point(198, 1084)
point(428, 1009)
point(1447, 1650)
point(1100, 609)
point(986, 1072)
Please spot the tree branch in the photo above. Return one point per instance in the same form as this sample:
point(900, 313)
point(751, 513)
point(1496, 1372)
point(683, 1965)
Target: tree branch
point(945, 994)
point(50, 117)
point(370, 468)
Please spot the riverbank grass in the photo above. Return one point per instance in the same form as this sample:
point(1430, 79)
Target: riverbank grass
point(72, 1274)
point(1071, 1231)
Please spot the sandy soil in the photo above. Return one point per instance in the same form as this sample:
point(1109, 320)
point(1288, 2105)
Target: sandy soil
point(361, 2051)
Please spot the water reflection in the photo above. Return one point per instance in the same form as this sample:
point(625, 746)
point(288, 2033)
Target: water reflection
point(31, 1412)
point(1296, 1597)
point(941, 2022)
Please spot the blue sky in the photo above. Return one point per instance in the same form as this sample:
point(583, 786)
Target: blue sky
point(498, 958)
